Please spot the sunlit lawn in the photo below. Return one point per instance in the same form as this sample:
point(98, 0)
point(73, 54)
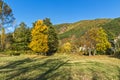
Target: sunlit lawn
point(59, 67)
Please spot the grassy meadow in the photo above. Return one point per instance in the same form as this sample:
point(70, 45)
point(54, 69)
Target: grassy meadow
point(59, 67)
point(73, 50)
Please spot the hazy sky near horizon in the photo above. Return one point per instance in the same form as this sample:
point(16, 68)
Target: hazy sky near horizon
point(63, 11)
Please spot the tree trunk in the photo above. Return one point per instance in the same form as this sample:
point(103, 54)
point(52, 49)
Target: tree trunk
point(89, 51)
point(94, 52)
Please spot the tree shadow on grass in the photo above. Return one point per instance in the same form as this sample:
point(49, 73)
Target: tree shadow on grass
point(98, 74)
point(114, 56)
point(14, 64)
point(53, 68)
point(119, 72)
point(17, 68)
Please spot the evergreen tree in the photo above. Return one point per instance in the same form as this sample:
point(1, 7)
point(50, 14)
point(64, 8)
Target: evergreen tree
point(39, 42)
point(52, 37)
point(22, 33)
point(21, 37)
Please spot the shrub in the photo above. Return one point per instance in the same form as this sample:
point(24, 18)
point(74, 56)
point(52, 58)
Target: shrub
point(15, 53)
point(66, 48)
point(12, 53)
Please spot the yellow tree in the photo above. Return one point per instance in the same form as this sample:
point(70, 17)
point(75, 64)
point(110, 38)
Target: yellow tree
point(95, 39)
point(102, 40)
point(3, 37)
point(39, 41)
point(67, 47)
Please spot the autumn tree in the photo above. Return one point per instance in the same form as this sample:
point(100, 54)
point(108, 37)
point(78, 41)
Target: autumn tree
point(95, 39)
point(66, 47)
point(3, 38)
point(9, 41)
point(52, 37)
point(75, 43)
point(39, 42)
point(6, 20)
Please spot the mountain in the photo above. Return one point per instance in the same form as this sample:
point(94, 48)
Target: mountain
point(67, 30)
point(112, 28)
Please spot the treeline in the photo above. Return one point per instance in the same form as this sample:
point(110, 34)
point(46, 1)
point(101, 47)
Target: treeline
point(44, 38)
point(89, 37)
point(41, 38)
point(17, 40)
point(75, 33)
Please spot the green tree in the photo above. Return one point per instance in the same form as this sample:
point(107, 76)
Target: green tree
point(39, 42)
point(22, 33)
point(52, 37)
point(96, 39)
point(6, 15)
point(21, 37)
point(9, 41)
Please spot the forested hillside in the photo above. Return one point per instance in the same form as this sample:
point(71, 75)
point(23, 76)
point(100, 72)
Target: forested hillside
point(79, 28)
point(111, 26)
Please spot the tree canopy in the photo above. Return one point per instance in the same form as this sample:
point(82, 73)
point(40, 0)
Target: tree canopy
point(96, 39)
point(6, 15)
point(52, 37)
point(21, 37)
point(39, 42)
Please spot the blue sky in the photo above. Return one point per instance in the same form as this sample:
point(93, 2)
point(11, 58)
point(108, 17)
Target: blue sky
point(63, 11)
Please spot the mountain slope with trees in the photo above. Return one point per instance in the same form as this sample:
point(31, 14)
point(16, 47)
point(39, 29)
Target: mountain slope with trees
point(78, 28)
point(111, 26)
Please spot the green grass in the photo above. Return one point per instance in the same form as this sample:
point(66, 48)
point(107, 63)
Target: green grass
point(59, 67)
